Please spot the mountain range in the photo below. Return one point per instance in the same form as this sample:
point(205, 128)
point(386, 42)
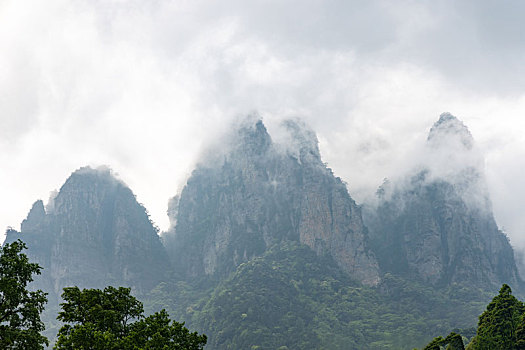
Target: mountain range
point(268, 250)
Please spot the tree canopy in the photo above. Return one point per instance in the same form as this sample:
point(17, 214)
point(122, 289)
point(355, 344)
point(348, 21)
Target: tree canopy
point(114, 319)
point(20, 309)
point(498, 325)
point(452, 342)
point(501, 327)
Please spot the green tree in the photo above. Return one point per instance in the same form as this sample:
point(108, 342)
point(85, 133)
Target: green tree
point(20, 309)
point(159, 332)
point(498, 325)
point(96, 318)
point(114, 319)
point(520, 334)
point(453, 341)
point(435, 344)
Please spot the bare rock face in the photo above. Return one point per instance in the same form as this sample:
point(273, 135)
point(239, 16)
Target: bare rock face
point(259, 193)
point(95, 234)
point(437, 225)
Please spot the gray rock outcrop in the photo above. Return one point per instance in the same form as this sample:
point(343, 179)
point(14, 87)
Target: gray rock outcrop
point(94, 235)
point(437, 224)
point(258, 193)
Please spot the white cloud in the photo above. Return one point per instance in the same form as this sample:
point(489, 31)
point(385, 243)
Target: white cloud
point(143, 86)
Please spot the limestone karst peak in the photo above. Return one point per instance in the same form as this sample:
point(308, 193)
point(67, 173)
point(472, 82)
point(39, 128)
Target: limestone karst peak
point(451, 154)
point(439, 217)
point(262, 194)
point(37, 210)
point(97, 234)
point(450, 131)
point(35, 217)
point(102, 173)
point(89, 188)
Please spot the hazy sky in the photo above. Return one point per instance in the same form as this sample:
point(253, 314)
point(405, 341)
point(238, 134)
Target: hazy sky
point(143, 86)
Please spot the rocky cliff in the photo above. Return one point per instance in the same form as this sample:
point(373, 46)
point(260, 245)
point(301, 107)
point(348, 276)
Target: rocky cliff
point(437, 223)
point(93, 234)
point(254, 193)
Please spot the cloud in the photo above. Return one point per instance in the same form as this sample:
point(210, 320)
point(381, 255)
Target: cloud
point(145, 86)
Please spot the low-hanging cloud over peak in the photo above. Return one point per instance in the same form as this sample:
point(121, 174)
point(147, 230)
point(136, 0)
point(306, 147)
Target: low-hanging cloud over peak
point(144, 86)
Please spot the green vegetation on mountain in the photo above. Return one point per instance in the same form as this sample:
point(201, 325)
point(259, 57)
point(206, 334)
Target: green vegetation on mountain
point(290, 297)
point(500, 327)
point(20, 309)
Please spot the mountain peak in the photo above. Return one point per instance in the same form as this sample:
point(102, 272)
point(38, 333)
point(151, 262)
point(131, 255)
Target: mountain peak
point(253, 137)
point(262, 194)
point(449, 130)
point(88, 188)
point(97, 234)
point(446, 117)
point(440, 219)
point(35, 217)
point(102, 172)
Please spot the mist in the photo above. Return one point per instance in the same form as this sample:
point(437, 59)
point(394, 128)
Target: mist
point(147, 87)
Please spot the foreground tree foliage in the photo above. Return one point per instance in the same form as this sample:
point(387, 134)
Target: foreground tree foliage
point(501, 327)
point(452, 342)
point(498, 325)
point(20, 309)
point(114, 319)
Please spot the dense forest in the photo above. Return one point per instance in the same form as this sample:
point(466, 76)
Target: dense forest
point(500, 327)
point(240, 318)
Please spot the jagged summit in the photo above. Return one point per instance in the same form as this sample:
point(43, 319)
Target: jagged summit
point(89, 189)
point(96, 235)
point(446, 118)
point(450, 131)
point(263, 193)
point(35, 217)
point(436, 223)
point(103, 173)
point(95, 177)
point(451, 155)
point(253, 138)
point(102, 170)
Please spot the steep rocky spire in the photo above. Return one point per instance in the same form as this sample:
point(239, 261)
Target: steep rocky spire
point(96, 235)
point(450, 131)
point(437, 223)
point(35, 218)
point(262, 194)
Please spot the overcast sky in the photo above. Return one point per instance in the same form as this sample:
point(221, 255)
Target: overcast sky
point(143, 86)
